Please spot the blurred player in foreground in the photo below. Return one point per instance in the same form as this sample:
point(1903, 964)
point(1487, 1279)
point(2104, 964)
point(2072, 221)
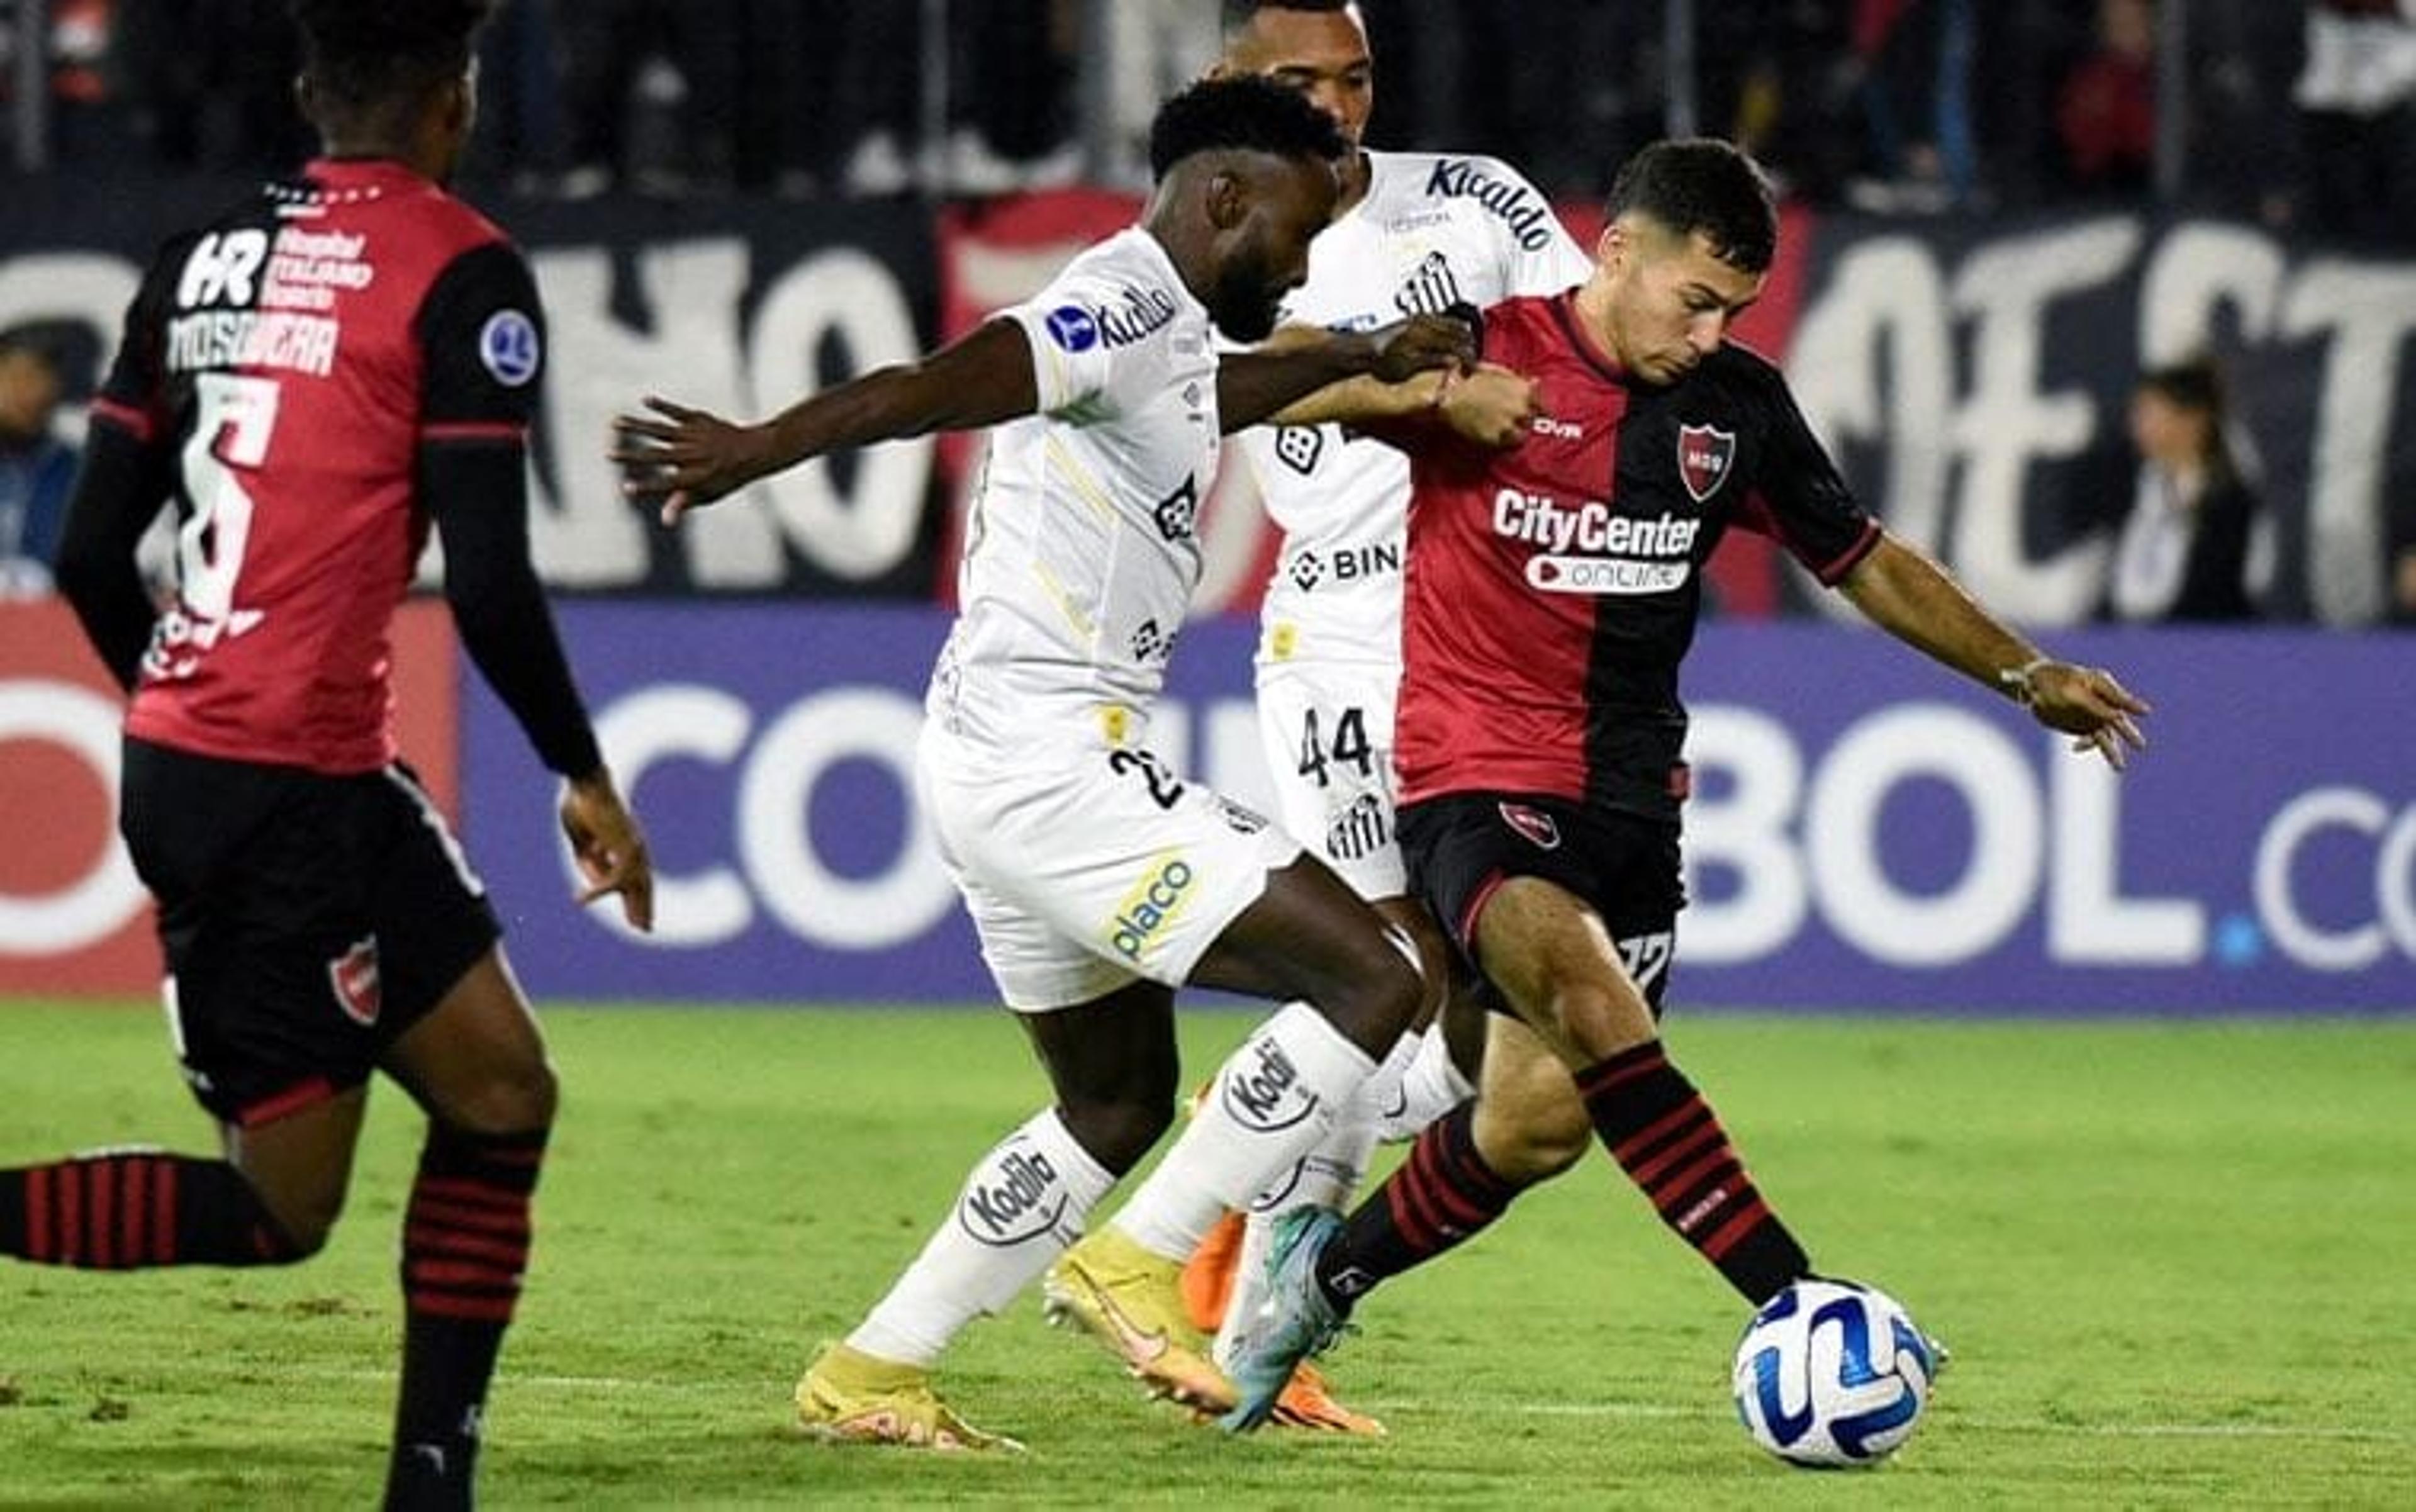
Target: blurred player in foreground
point(1098, 879)
point(1552, 593)
point(314, 378)
point(1415, 231)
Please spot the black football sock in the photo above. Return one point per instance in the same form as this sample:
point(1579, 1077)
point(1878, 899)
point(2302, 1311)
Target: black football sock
point(1441, 1196)
point(1671, 1143)
point(132, 1210)
point(465, 1242)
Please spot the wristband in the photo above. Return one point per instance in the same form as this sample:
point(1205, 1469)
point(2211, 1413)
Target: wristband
point(2016, 681)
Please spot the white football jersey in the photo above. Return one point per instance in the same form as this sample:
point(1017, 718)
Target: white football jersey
point(1433, 230)
point(1081, 552)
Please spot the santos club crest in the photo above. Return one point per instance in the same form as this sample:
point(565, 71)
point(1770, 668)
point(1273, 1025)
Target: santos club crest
point(1704, 454)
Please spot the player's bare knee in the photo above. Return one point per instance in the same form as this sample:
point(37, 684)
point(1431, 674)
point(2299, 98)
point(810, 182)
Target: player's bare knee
point(1533, 1125)
point(515, 1100)
point(302, 1220)
point(1380, 999)
point(1117, 1132)
point(1549, 1141)
point(1598, 1020)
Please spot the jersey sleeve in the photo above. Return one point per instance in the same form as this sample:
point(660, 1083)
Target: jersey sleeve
point(133, 397)
point(1077, 372)
point(482, 341)
point(1798, 498)
point(1547, 269)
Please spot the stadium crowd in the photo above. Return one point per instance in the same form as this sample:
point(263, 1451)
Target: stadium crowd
point(2299, 117)
point(1885, 104)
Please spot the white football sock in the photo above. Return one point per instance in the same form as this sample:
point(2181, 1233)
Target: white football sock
point(1431, 1087)
point(1326, 1177)
point(1019, 1209)
point(1271, 1103)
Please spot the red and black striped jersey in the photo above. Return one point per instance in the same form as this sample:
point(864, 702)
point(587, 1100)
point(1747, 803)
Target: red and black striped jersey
point(293, 358)
point(1552, 589)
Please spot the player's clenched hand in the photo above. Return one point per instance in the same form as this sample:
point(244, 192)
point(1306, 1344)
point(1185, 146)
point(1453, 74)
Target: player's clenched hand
point(683, 458)
point(1492, 407)
point(609, 847)
point(1410, 347)
point(2088, 702)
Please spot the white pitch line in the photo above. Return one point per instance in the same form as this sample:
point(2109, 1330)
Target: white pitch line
point(1986, 1425)
point(1632, 1411)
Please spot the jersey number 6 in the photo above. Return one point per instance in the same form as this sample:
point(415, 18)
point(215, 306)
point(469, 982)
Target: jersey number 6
point(238, 415)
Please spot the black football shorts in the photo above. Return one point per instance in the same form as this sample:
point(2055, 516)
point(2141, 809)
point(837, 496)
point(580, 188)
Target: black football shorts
point(1462, 846)
point(307, 921)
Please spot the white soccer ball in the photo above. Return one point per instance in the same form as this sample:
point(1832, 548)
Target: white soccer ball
point(1833, 1373)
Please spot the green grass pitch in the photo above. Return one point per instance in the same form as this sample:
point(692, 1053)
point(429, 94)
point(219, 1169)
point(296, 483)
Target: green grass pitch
point(2174, 1264)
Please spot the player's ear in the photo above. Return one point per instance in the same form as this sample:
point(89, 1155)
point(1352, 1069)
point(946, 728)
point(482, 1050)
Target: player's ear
point(1226, 200)
point(1613, 245)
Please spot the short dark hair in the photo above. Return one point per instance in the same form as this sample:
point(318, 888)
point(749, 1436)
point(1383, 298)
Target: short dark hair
point(1243, 114)
point(1703, 184)
point(363, 54)
point(42, 342)
point(2193, 383)
point(2196, 385)
point(1240, 13)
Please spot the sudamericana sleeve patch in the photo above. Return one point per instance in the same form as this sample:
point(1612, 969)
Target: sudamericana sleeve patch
point(509, 347)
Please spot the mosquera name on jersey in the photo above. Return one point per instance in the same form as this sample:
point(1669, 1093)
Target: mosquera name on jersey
point(1554, 588)
point(1433, 231)
point(296, 353)
point(1083, 550)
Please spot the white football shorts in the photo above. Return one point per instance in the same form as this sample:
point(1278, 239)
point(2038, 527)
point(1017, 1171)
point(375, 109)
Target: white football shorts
point(1327, 731)
point(1085, 866)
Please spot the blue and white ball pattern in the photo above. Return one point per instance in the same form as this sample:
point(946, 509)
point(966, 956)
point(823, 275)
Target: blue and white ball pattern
point(1833, 1373)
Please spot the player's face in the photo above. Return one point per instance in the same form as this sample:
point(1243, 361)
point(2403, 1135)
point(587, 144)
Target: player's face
point(1265, 255)
point(1671, 298)
point(1322, 53)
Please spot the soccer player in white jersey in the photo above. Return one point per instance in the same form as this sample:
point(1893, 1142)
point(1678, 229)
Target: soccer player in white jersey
point(1415, 231)
point(1097, 878)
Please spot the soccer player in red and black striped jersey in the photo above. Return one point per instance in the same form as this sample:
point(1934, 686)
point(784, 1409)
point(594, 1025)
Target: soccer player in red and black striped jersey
point(316, 378)
point(1552, 592)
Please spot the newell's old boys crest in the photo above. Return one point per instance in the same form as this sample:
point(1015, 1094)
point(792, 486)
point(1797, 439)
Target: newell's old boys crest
point(1704, 454)
point(1537, 825)
point(354, 976)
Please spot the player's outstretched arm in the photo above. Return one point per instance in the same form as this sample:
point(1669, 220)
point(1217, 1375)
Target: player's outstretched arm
point(1914, 599)
point(1252, 386)
point(683, 458)
point(1492, 406)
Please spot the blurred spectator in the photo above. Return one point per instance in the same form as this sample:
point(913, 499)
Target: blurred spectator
point(209, 84)
point(1155, 48)
point(651, 93)
point(2194, 543)
point(2357, 111)
point(521, 128)
point(83, 120)
point(1913, 60)
point(798, 97)
point(1793, 101)
point(2105, 114)
point(36, 468)
point(1570, 85)
point(1012, 78)
point(2246, 54)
